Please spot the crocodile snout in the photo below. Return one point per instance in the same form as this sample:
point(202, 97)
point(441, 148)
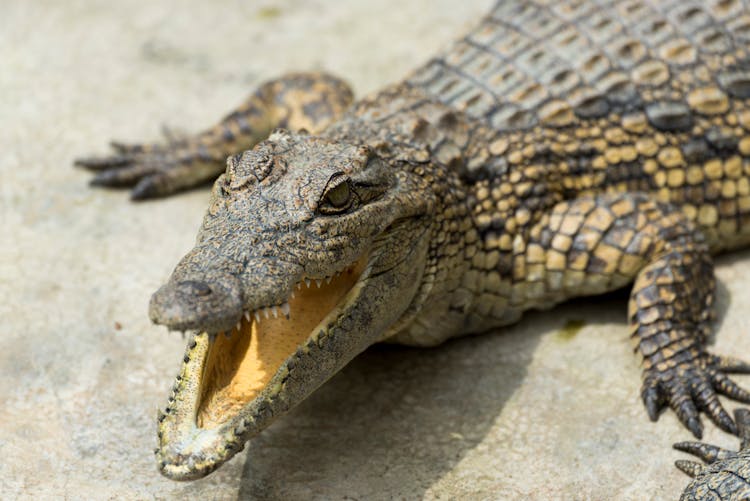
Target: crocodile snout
point(211, 304)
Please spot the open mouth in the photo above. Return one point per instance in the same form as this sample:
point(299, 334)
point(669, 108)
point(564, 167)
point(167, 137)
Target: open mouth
point(241, 364)
point(231, 384)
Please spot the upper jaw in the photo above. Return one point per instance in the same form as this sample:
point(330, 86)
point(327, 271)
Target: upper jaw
point(215, 301)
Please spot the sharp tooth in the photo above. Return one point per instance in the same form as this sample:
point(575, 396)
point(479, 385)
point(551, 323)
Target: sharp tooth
point(247, 316)
point(292, 295)
point(307, 282)
point(318, 282)
point(285, 310)
point(239, 325)
point(275, 312)
point(299, 286)
point(256, 314)
point(265, 312)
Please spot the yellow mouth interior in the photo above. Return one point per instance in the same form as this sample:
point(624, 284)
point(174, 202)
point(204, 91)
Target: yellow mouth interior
point(240, 366)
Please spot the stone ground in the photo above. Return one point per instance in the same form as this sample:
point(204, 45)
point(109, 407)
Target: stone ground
point(543, 410)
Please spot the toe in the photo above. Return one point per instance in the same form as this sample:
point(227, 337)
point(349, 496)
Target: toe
point(102, 163)
point(681, 401)
point(123, 177)
point(653, 401)
point(726, 386)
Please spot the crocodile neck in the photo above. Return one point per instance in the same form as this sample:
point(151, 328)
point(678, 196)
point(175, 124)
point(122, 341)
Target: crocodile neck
point(454, 153)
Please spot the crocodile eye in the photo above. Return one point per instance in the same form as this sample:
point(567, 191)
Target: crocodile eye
point(337, 198)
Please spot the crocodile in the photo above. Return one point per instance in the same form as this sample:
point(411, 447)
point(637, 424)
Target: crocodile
point(558, 149)
point(726, 474)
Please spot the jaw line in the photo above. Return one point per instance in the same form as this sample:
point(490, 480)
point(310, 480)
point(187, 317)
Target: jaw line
point(389, 285)
point(187, 451)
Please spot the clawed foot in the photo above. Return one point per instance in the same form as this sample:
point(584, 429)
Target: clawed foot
point(693, 386)
point(154, 170)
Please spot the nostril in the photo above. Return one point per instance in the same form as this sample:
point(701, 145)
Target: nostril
point(196, 288)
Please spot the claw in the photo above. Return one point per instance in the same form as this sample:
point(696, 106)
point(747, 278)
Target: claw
point(122, 177)
point(146, 188)
point(694, 425)
point(690, 468)
point(681, 401)
point(742, 418)
point(706, 452)
point(706, 398)
point(727, 387)
point(100, 163)
point(652, 401)
point(729, 364)
point(724, 422)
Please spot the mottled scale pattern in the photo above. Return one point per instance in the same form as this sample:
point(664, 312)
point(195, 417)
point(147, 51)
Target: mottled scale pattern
point(618, 95)
point(530, 63)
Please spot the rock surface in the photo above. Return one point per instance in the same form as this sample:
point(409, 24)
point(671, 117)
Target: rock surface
point(547, 409)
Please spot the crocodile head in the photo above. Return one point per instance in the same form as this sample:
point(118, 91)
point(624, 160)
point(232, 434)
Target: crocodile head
point(311, 251)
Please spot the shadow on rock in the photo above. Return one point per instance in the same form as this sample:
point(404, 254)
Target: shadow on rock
point(391, 424)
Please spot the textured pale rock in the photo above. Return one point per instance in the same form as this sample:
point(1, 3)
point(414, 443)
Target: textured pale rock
point(532, 412)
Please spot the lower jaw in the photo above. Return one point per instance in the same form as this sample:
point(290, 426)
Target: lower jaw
point(230, 387)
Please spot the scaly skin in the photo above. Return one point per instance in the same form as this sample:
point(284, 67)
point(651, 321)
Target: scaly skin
point(726, 475)
point(559, 149)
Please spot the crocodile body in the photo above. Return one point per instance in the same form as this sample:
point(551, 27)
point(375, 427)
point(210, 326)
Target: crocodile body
point(559, 149)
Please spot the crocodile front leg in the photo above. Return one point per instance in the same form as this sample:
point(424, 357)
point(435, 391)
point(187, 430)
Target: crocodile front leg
point(300, 101)
point(594, 244)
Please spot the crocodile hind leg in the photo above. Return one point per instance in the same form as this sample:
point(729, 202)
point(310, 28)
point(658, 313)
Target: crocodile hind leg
point(594, 244)
point(300, 101)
